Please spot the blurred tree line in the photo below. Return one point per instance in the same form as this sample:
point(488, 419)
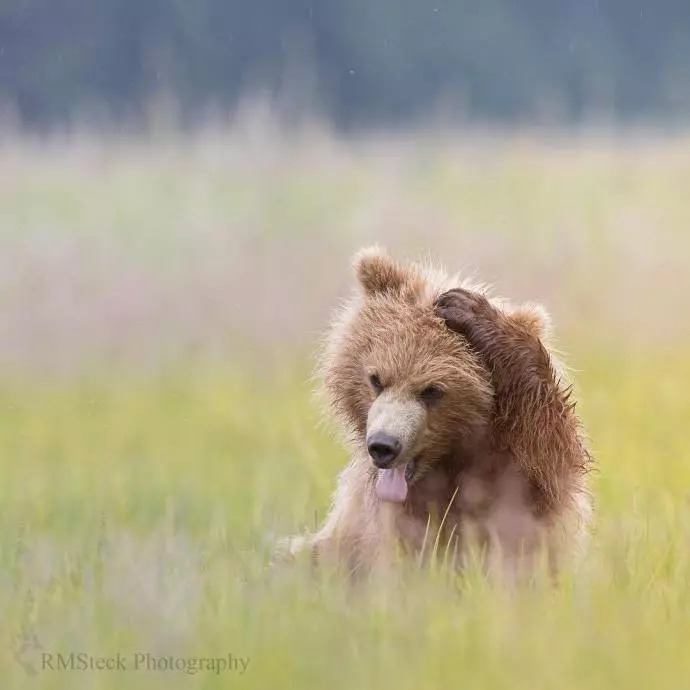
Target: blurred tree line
point(360, 62)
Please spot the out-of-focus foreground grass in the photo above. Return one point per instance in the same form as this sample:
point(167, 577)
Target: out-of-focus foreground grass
point(160, 302)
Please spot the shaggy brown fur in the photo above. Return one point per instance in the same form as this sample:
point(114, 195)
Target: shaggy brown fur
point(499, 453)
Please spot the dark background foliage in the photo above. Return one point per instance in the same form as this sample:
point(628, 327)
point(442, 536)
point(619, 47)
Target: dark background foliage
point(360, 62)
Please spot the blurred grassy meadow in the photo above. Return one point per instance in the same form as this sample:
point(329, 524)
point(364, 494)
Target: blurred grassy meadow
point(160, 302)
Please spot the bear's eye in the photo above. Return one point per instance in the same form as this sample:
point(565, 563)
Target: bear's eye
point(375, 382)
point(431, 394)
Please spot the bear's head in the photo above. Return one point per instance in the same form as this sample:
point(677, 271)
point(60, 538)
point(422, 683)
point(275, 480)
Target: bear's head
point(407, 390)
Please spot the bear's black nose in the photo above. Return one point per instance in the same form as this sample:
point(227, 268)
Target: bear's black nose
point(383, 448)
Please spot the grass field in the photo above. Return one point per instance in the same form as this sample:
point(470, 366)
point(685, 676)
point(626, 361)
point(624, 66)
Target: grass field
point(160, 303)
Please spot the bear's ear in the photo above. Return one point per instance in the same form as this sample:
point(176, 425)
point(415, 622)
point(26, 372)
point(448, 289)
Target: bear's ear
point(533, 318)
point(377, 272)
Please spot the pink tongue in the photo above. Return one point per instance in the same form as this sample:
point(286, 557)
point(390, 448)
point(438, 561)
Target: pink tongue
point(391, 485)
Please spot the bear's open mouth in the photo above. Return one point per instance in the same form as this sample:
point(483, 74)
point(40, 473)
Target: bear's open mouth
point(392, 484)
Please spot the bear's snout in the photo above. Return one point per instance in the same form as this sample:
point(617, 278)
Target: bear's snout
point(383, 448)
point(395, 425)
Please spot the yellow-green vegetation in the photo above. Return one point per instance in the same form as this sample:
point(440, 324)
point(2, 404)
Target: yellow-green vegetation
point(159, 306)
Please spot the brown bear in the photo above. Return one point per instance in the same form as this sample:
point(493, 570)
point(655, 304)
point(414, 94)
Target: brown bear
point(461, 424)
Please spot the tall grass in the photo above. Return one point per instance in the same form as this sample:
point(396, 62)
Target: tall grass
point(159, 303)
